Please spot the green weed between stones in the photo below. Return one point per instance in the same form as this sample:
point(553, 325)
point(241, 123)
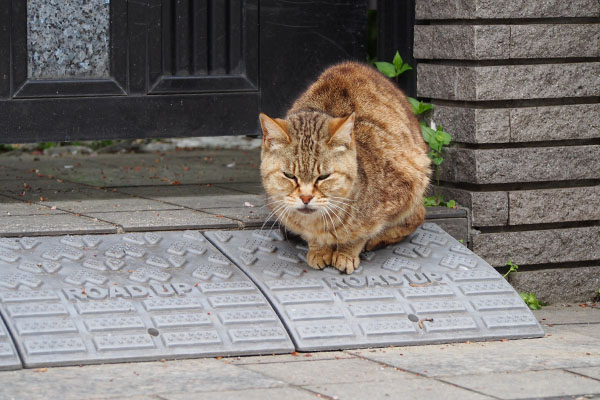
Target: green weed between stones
point(434, 136)
point(529, 298)
point(531, 301)
point(512, 268)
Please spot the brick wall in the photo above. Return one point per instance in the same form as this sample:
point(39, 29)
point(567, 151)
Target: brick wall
point(517, 84)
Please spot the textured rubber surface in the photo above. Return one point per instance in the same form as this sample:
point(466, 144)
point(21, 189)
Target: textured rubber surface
point(427, 289)
point(9, 359)
point(148, 296)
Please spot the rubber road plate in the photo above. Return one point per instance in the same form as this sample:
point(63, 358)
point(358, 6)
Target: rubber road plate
point(148, 296)
point(8, 354)
point(427, 289)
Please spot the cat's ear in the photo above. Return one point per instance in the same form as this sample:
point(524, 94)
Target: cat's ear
point(340, 130)
point(274, 132)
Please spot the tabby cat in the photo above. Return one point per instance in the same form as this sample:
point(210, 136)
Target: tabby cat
point(347, 168)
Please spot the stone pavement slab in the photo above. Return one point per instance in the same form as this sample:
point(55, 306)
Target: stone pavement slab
point(89, 200)
point(569, 314)
point(314, 372)
point(131, 381)
point(592, 372)
point(287, 393)
point(290, 358)
point(12, 207)
point(528, 384)
point(397, 389)
point(561, 348)
point(53, 224)
point(160, 220)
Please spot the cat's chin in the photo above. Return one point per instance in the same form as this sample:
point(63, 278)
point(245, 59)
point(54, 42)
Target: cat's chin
point(306, 210)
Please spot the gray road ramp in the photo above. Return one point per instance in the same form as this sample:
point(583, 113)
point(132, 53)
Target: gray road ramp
point(144, 296)
point(427, 289)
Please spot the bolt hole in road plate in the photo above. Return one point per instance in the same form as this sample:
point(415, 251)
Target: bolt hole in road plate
point(427, 289)
point(75, 300)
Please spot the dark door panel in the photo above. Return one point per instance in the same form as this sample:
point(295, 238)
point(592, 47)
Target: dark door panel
point(178, 68)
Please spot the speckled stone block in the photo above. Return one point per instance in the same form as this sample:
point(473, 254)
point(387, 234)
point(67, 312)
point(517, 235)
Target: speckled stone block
point(68, 39)
point(508, 82)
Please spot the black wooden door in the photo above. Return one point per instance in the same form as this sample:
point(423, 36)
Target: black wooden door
point(178, 68)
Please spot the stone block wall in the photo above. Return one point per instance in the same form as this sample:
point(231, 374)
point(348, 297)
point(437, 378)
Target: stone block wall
point(517, 84)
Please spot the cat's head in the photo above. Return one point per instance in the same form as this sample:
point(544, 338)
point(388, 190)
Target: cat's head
point(308, 161)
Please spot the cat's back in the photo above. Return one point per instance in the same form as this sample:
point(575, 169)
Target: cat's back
point(354, 87)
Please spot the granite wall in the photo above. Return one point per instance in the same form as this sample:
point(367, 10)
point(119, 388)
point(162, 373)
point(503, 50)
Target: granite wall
point(517, 84)
point(68, 38)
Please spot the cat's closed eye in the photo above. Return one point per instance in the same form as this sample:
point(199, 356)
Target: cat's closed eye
point(323, 177)
point(289, 176)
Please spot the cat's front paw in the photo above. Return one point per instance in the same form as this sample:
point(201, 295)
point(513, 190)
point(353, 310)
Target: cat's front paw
point(345, 262)
point(319, 259)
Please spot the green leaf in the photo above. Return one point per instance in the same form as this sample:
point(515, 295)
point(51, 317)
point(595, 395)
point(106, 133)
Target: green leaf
point(443, 137)
point(531, 300)
point(512, 268)
point(397, 61)
point(403, 69)
point(437, 160)
point(386, 68)
point(424, 107)
point(451, 204)
point(415, 104)
point(427, 132)
point(431, 201)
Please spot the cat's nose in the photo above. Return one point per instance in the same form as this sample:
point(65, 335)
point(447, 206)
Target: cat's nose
point(306, 198)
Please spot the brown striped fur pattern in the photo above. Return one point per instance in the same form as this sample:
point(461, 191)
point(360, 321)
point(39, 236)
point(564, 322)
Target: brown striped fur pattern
point(347, 168)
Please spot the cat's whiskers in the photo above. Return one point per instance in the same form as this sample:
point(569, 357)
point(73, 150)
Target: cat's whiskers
point(337, 207)
point(338, 203)
point(338, 217)
point(274, 212)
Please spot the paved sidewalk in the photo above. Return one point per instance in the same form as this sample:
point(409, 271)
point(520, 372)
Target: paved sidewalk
point(42, 195)
point(564, 364)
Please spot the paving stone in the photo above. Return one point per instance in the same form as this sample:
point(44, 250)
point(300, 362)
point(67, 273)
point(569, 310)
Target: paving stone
point(249, 216)
point(568, 314)
point(400, 288)
point(528, 384)
point(54, 224)
point(122, 381)
point(288, 393)
point(592, 372)
point(250, 187)
point(508, 82)
point(11, 207)
point(289, 358)
point(197, 197)
point(562, 347)
point(398, 389)
point(554, 205)
point(165, 220)
point(539, 246)
point(473, 9)
point(520, 165)
point(554, 40)
point(80, 300)
point(97, 200)
point(346, 370)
